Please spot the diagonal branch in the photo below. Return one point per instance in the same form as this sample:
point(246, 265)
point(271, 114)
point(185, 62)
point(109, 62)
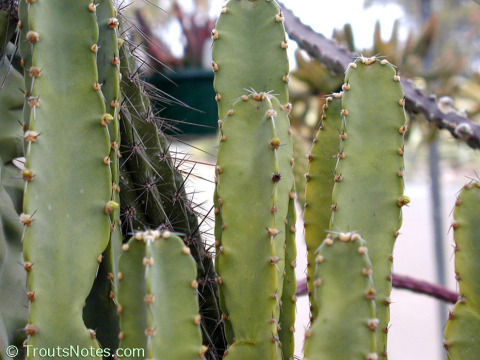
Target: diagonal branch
point(407, 283)
point(337, 58)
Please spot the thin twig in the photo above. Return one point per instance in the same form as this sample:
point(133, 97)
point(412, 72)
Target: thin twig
point(407, 283)
point(337, 59)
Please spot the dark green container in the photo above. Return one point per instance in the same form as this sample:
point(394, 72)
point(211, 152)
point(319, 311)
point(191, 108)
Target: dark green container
point(190, 107)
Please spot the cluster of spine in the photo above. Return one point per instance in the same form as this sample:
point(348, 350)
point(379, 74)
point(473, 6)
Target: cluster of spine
point(153, 191)
point(322, 159)
point(254, 211)
point(67, 198)
point(356, 166)
point(344, 296)
point(462, 332)
point(158, 301)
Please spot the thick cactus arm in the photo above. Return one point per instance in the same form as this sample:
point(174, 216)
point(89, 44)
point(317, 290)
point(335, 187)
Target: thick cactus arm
point(249, 52)
point(67, 196)
point(346, 325)
point(320, 179)
point(251, 282)
point(462, 333)
point(368, 194)
point(158, 298)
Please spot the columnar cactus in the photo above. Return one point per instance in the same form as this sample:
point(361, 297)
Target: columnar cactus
point(462, 333)
point(344, 293)
point(157, 295)
point(368, 192)
point(323, 158)
point(64, 123)
point(251, 73)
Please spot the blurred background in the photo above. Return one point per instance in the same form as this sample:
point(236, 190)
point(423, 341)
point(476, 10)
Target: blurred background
point(434, 42)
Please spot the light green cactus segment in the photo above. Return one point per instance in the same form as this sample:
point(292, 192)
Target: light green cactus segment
point(14, 307)
point(300, 167)
point(65, 237)
point(346, 325)
point(462, 333)
point(320, 180)
point(289, 298)
point(254, 181)
point(158, 298)
point(369, 197)
point(249, 52)
point(100, 310)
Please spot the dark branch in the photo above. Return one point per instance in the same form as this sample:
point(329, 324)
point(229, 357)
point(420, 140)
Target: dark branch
point(337, 58)
point(407, 283)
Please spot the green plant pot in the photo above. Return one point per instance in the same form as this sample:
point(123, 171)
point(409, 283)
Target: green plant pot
point(190, 106)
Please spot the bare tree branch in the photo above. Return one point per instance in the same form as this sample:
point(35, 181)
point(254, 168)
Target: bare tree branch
point(407, 283)
point(337, 58)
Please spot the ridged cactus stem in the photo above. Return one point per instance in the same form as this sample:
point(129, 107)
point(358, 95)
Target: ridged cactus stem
point(67, 197)
point(160, 187)
point(320, 179)
point(368, 192)
point(462, 333)
point(158, 303)
point(346, 325)
point(251, 282)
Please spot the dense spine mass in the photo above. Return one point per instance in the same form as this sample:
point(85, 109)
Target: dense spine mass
point(462, 333)
point(67, 197)
point(368, 193)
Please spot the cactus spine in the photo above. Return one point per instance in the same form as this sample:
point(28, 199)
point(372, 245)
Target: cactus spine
point(158, 304)
point(322, 158)
point(62, 237)
point(462, 333)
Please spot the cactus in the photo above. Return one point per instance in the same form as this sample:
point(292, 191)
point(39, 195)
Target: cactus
point(368, 198)
point(462, 333)
point(323, 157)
point(100, 310)
point(268, 180)
point(289, 293)
point(70, 220)
point(346, 325)
point(79, 226)
point(157, 296)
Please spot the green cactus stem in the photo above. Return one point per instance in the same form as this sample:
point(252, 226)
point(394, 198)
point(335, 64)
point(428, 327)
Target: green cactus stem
point(249, 52)
point(160, 187)
point(346, 325)
point(368, 192)
point(158, 304)
point(251, 258)
point(100, 310)
point(323, 157)
point(67, 196)
point(289, 298)
point(462, 333)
